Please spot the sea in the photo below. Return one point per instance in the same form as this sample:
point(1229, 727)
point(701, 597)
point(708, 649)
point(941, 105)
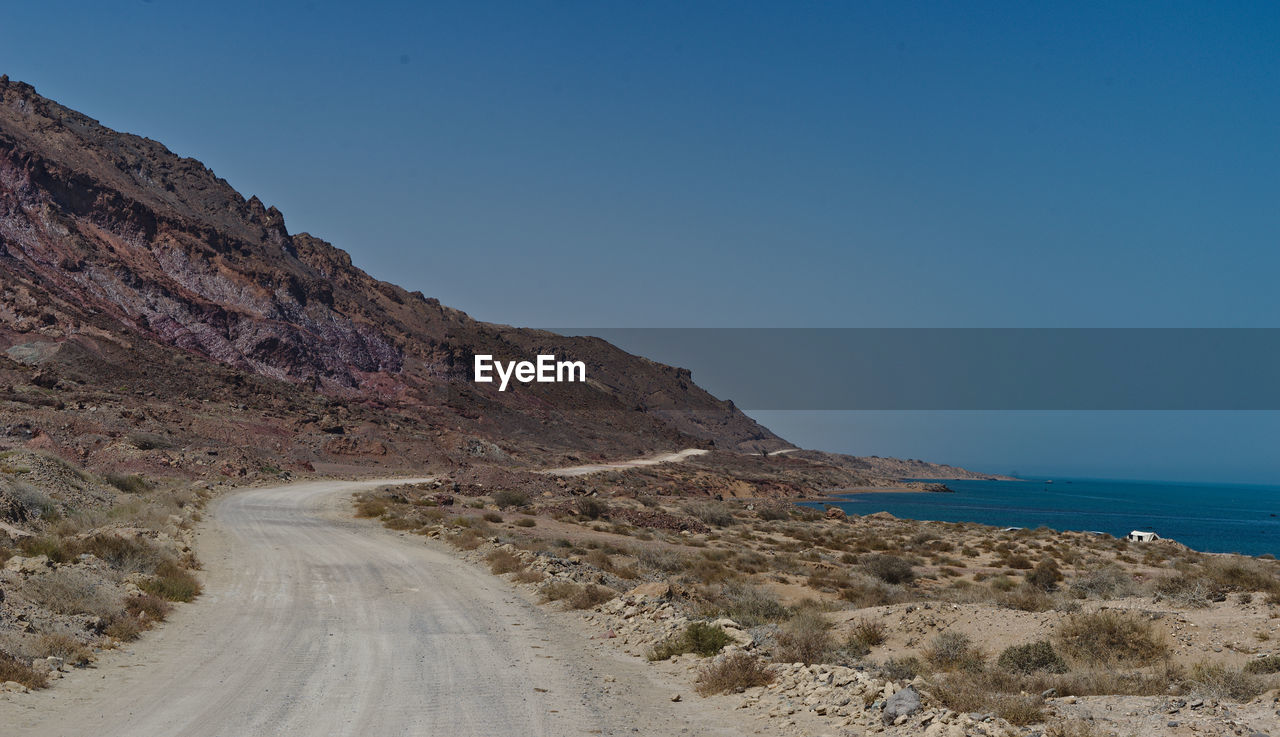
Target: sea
point(1216, 518)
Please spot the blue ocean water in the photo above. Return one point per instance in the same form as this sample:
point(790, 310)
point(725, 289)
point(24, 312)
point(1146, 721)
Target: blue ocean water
point(1219, 518)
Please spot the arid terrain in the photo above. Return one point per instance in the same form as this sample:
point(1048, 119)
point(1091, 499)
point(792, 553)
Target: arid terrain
point(190, 394)
point(814, 621)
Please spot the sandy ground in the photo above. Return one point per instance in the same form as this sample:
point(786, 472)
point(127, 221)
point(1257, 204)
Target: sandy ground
point(679, 455)
point(316, 624)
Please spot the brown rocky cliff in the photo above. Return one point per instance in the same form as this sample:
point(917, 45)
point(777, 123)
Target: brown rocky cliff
point(111, 234)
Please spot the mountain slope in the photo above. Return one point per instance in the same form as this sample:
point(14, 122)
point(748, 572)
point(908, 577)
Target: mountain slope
point(127, 266)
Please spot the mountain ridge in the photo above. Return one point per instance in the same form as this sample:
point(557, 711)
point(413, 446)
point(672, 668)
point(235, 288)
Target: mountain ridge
point(130, 268)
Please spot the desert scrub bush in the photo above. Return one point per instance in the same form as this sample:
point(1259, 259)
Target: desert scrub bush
point(129, 483)
point(731, 673)
point(132, 555)
point(901, 669)
point(1216, 681)
point(864, 591)
point(1110, 636)
point(713, 514)
point(503, 561)
point(867, 633)
point(20, 671)
point(965, 693)
point(750, 606)
point(530, 575)
point(805, 638)
point(698, 637)
point(1269, 664)
point(26, 503)
point(1046, 575)
point(1033, 657)
point(951, 651)
point(50, 546)
point(58, 645)
point(493, 517)
point(72, 591)
point(526, 522)
point(371, 508)
point(147, 607)
point(1242, 574)
point(507, 498)
point(1108, 582)
point(576, 595)
point(591, 508)
point(172, 582)
point(1026, 598)
point(889, 568)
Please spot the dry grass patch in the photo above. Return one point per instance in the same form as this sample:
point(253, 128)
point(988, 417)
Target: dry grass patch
point(698, 637)
point(952, 651)
point(71, 650)
point(20, 671)
point(575, 595)
point(504, 561)
point(172, 582)
point(733, 672)
point(805, 638)
point(1110, 636)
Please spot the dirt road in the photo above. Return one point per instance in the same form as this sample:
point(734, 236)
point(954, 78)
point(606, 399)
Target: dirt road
point(316, 624)
point(678, 455)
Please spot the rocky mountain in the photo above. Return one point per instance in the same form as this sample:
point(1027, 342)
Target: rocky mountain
point(136, 281)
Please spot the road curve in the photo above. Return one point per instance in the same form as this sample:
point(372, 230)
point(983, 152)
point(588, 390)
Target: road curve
point(313, 623)
point(674, 457)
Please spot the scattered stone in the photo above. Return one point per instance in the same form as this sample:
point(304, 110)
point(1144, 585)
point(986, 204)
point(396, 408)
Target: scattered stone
point(901, 704)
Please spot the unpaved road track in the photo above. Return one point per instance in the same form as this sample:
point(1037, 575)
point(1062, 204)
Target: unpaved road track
point(675, 457)
point(313, 623)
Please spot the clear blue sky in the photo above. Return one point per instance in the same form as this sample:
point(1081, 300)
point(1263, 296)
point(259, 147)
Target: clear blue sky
point(748, 164)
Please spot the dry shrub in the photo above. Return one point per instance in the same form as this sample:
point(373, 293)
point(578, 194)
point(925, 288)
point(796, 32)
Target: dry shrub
point(506, 498)
point(805, 638)
point(72, 591)
point(733, 672)
point(372, 508)
point(1269, 664)
point(951, 651)
point(493, 517)
point(172, 582)
point(889, 568)
point(465, 538)
point(901, 669)
point(698, 637)
point(712, 513)
point(867, 633)
point(1046, 575)
point(1108, 582)
point(133, 555)
point(128, 483)
point(864, 591)
point(124, 628)
point(1072, 728)
point(576, 595)
point(1215, 681)
point(503, 561)
point(20, 671)
point(1194, 592)
point(1038, 656)
point(148, 607)
point(1026, 598)
point(68, 648)
point(1110, 636)
point(526, 522)
point(54, 548)
point(530, 575)
point(750, 606)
